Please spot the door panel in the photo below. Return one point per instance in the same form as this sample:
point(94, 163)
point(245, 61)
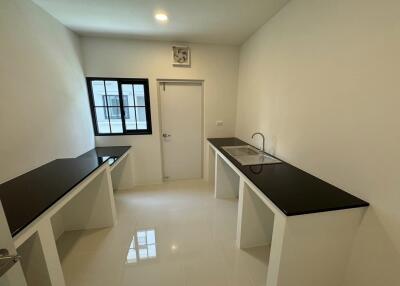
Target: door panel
point(181, 116)
point(14, 276)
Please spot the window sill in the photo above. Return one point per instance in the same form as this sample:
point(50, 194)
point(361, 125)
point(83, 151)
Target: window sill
point(125, 134)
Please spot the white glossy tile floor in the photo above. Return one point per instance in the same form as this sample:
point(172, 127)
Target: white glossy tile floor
point(175, 234)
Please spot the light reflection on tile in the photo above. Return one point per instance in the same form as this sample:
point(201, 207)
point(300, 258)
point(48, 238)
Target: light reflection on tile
point(143, 247)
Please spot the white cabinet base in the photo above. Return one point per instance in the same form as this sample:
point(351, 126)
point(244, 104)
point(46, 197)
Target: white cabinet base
point(255, 219)
point(122, 173)
point(226, 180)
point(89, 205)
point(305, 250)
point(312, 249)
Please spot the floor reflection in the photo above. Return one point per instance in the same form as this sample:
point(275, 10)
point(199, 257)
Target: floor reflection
point(193, 242)
point(143, 246)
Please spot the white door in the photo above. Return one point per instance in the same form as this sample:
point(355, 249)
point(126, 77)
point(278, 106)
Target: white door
point(11, 273)
point(181, 123)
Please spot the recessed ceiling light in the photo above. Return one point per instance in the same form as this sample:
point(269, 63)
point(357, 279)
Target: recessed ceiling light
point(162, 17)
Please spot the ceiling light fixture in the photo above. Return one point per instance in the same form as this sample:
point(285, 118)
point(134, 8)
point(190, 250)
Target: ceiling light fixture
point(162, 17)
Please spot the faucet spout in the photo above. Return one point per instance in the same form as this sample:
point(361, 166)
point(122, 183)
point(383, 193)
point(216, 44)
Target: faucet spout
point(263, 139)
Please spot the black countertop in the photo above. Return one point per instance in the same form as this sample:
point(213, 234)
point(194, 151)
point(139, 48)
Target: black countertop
point(26, 197)
point(112, 153)
point(292, 190)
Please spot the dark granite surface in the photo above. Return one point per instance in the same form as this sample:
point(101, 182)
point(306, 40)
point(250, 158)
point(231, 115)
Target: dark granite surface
point(113, 153)
point(292, 190)
point(26, 197)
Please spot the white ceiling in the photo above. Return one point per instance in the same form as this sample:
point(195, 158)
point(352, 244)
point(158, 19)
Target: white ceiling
point(200, 21)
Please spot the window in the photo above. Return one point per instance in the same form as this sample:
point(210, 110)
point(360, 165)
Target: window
point(119, 106)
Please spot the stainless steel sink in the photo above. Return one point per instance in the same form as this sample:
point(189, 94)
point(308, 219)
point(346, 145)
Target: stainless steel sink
point(248, 155)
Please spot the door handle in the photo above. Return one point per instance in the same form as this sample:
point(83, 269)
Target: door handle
point(5, 255)
point(165, 135)
point(7, 261)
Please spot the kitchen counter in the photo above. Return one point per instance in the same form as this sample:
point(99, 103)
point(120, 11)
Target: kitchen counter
point(293, 191)
point(113, 153)
point(26, 197)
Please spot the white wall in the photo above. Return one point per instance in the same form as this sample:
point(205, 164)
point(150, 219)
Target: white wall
point(321, 81)
point(44, 112)
point(216, 65)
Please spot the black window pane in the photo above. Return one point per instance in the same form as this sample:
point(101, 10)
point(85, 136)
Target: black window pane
point(107, 103)
point(113, 100)
point(112, 87)
point(127, 92)
point(103, 125)
point(130, 122)
point(98, 92)
point(115, 119)
point(139, 94)
point(141, 118)
point(128, 113)
point(114, 112)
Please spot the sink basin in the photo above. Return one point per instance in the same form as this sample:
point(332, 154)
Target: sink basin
point(248, 155)
point(244, 150)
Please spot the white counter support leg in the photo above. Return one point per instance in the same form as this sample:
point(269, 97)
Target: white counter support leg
point(255, 219)
point(40, 261)
point(122, 173)
point(89, 205)
point(226, 180)
point(93, 207)
point(274, 263)
point(312, 249)
point(211, 157)
point(50, 254)
point(306, 250)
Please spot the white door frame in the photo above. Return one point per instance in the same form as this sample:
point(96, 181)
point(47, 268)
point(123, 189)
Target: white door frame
point(159, 86)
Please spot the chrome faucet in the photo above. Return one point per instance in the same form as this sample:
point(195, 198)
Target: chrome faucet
point(263, 139)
